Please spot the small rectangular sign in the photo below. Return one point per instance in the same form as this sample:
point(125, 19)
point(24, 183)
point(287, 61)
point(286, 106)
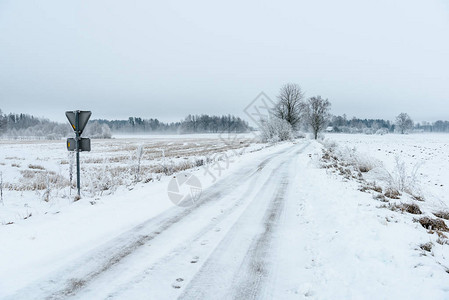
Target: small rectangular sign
point(71, 144)
point(84, 144)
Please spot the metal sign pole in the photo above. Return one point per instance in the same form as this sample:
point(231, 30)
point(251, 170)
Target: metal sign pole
point(78, 120)
point(77, 126)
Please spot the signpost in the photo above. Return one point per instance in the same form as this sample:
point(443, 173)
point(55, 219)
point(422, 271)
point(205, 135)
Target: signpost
point(78, 119)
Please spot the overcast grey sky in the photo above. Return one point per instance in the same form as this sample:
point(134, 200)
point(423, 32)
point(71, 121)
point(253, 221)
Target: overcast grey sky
point(165, 59)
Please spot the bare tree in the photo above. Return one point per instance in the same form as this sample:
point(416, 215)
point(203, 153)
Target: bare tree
point(317, 114)
point(404, 122)
point(290, 106)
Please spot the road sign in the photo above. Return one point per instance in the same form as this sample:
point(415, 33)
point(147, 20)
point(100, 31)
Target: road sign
point(78, 119)
point(84, 144)
point(83, 118)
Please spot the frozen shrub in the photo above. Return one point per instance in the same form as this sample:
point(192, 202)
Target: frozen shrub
point(433, 224)
point(182, 166)
point(148, 178)
point(392, 193)
point(441, 235)
point(364, 163)
point(171, 167)
point(402, 178)
point(442, 241)
point(46, 196)
point(329, 144)
point(139, 154)
point(426, 247)
point(412, 208)
point(106, 179)
point(275, 130)
point(404, 207)
point(368, 131)
point(199, 162)
point(418, 197)
point(382, 131)
point(350, 156)
point(371, 187)
point(36, 167)
point(35, 180)
point(442, 214)
point(380, 197)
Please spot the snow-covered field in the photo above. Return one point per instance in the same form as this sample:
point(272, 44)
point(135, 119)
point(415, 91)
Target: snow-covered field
point(271, 221)
point(37, 178)
point(428, 153)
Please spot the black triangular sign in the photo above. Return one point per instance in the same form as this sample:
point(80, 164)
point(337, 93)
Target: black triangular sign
point(83, 119)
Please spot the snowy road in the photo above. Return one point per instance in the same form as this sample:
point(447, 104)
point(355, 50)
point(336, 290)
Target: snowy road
point(275, 227)
point(224, 246)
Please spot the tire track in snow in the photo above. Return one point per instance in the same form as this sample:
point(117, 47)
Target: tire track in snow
point(77, 276)
point(254, 269)
point(240, 265)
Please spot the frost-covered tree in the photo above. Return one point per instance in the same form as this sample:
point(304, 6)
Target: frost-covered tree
point(290, 105)
point(441, 126)
point(275, 130)
point(96, 130)
point(106, 131)
point(404, 122)
point(3, 122)
point(317, 114)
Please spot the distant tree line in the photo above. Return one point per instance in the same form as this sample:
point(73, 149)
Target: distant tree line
point(139, 125)
point(355, 125)
point(24, 126)
point(372, 126)
point(27, 126)
point(191, 124)
point(213, 124)
point(438, 126)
